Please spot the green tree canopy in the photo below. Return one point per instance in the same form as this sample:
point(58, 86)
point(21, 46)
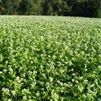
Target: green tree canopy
point(89, 8)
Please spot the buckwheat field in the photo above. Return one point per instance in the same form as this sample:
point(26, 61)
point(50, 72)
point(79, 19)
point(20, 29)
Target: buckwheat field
point(50, 58)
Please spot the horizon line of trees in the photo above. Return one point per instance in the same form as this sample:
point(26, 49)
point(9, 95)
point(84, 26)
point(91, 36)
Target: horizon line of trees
point(86, 8)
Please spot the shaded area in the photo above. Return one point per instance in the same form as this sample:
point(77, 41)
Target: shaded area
point(86, 8)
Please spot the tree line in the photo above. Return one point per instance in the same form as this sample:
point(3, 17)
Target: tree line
point(87, 8)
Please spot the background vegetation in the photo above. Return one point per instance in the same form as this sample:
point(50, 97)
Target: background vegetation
point(87, 8)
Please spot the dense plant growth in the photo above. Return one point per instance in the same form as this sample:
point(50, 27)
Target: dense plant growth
point(87, 8)
point(50, 59)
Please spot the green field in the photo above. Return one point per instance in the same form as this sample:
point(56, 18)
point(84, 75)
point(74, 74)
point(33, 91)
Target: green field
point(46, 58)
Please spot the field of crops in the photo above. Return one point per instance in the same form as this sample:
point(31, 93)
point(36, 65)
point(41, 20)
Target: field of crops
point(50, 58)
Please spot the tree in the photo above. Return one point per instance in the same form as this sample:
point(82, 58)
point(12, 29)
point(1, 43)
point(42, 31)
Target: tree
point(10, 6)
point(98, 14)
point(87, 8)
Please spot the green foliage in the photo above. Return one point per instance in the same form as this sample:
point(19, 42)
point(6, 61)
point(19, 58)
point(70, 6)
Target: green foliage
point(50, 59)
point(99, 10)
point(87, 8)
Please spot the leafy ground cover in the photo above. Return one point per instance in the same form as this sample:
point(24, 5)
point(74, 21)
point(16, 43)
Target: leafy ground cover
point(50, 58)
